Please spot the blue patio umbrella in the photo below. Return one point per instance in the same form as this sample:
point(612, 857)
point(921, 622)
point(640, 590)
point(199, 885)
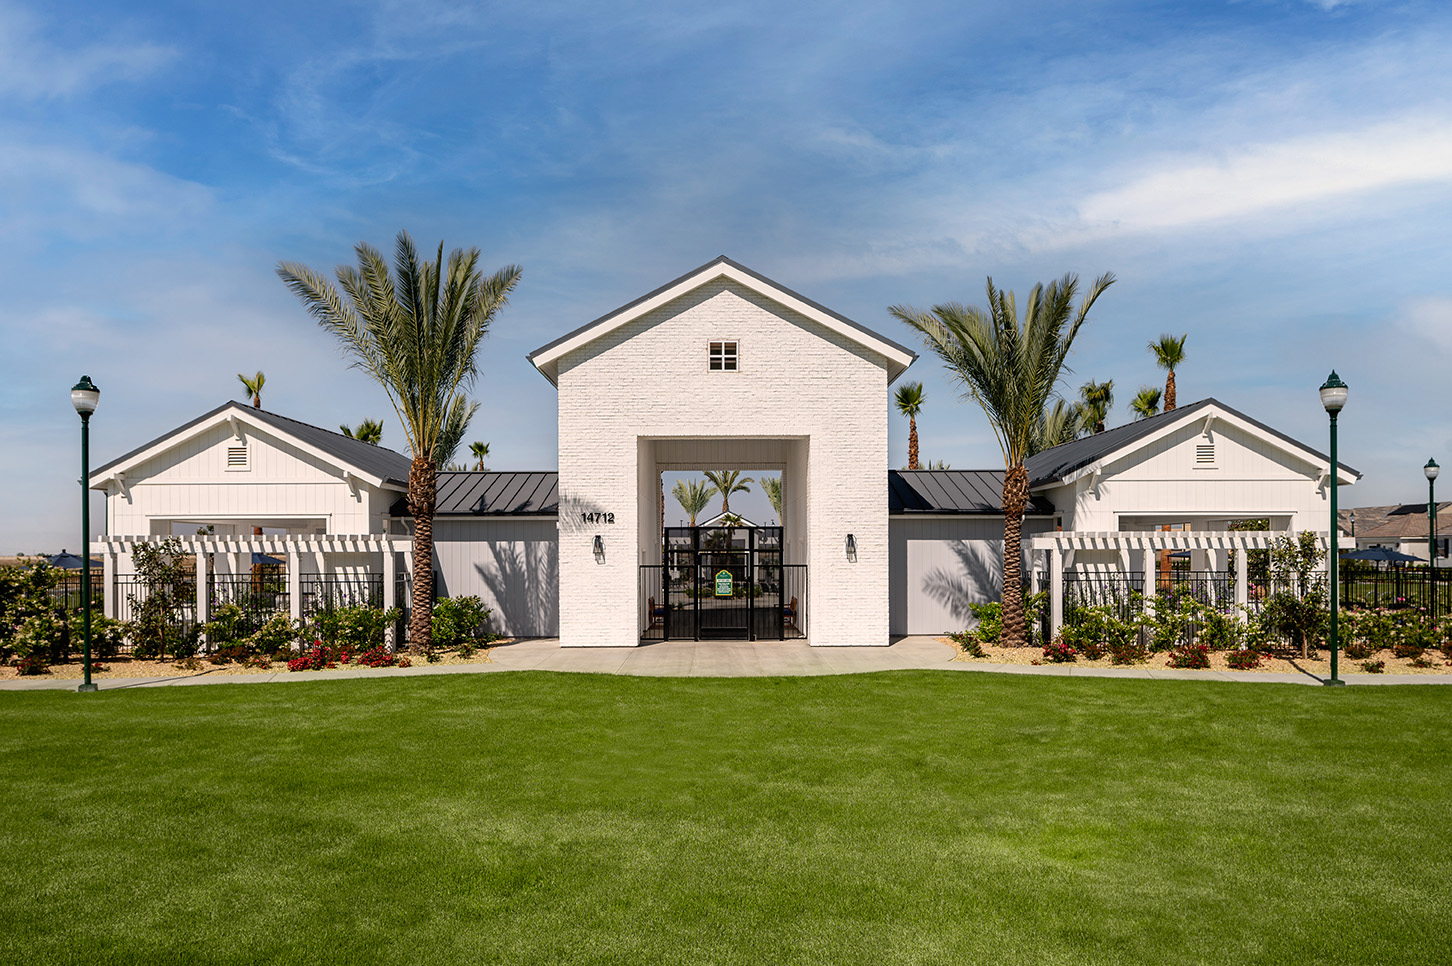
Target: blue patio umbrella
point(1381, 555)
point(263, 560)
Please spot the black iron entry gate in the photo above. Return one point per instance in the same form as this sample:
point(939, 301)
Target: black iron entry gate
point(723, 583)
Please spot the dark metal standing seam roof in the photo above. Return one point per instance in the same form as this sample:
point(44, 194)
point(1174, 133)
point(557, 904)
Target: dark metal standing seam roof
point(488, 493)
point(1052, 465)
point(952, 492)
point(376, 461)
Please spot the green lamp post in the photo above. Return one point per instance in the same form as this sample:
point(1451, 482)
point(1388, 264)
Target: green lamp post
point(1431, 470)
point(85, 396)
point(1333, 397)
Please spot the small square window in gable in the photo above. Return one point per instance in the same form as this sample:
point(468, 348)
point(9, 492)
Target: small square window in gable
point(723, 357)
point(237, 458)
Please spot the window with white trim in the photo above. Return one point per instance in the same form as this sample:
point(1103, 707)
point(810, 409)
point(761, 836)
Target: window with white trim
point(237, 458)
point(723, 357)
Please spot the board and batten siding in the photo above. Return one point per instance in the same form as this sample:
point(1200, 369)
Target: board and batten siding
point(939, 565)
point(512, 564)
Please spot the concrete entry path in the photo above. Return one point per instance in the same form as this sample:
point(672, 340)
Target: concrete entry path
point(728, 659)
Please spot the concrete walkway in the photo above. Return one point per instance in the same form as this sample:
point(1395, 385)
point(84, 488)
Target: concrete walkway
point(730, 659)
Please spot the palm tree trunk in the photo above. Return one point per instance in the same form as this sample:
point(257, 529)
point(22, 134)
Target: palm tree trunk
point(913, 443)
point(1170, 391)
point(1015, 500)
point(422, 491)
point(725, 503)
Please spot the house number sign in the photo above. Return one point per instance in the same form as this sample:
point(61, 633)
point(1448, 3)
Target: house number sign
point(597, 518)
point(723, 583)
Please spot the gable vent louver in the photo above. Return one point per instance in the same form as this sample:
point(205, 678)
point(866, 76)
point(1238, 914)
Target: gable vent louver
point(237, 457)
point(1205, 454)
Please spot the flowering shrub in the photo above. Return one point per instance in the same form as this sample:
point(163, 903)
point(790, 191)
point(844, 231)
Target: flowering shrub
point(260, 661)
point(1421, 661)
point(1358, 650)
point(32, 664)
point(1373, 667)
point(1243, 660)
point(1060, 653)
point(1129, 651)
point(376, 657)
point(1190, 656)
point(1220, 631)
point(1408, 649)
point(404, 662)
point(231, 654)
point(316, 659)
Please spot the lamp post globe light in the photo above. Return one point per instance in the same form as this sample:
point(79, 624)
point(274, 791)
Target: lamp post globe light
point(1430, 471)
point(85, 396)
point(1333, 397)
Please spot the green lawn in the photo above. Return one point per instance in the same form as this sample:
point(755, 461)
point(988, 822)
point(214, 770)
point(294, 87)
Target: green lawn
point(908, 817)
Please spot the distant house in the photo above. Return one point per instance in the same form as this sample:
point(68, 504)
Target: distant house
point(1402, 527)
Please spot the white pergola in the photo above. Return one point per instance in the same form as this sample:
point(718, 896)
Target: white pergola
point(290, 546)
point(1148, 544)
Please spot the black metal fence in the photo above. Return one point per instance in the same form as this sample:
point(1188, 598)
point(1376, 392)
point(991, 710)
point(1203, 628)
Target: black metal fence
point(777, 592)
point(322, 592)
point(1126, 596)
point(1397, 587)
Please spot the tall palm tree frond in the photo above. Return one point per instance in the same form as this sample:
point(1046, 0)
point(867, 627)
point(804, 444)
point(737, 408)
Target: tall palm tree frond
point(1062, 423)
point(693, 496)
point(771, 486)
point(415, 329)
point(1096, 399)
point(1169, 353)
point(480, 452)
point(1146, 402)
point(369, 431)
point(254, 387)
point(1011, 368)
point(909, 400)
point(728, 482)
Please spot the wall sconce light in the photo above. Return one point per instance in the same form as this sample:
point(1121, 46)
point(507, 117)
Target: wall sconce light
point(599, 547)
point(851, 547)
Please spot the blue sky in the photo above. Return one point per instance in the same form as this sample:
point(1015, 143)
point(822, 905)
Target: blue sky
point(1273, 178)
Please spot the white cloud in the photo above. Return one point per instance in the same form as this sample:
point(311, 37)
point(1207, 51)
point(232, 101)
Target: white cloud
point(1430, 318)
point(34, 69)
point(1261, 178)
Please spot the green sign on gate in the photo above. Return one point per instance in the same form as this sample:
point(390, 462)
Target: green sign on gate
point(723, 583)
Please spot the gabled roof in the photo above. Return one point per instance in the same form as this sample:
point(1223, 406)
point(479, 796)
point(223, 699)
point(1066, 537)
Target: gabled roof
point(546, 358)
point(487, 493)
point(1407, 526)
point(373, 464)
point(952, 492)
point(1062, 464)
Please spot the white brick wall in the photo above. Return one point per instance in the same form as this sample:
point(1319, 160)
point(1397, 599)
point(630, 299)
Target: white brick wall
point(797, 379)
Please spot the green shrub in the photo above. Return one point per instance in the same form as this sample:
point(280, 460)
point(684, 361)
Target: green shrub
point(459, 618)
point(1374, 667)
point(229, 625)
point(275, 636)
point(1170, 620)
point(1060, 653)
point(1220, 631)
point(108, 635)
point(990, 621)
point(969, 643)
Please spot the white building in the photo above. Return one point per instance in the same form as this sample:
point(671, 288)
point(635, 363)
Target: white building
point(719, 369)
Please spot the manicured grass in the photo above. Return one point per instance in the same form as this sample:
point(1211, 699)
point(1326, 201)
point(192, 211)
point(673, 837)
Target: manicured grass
point(910, 817)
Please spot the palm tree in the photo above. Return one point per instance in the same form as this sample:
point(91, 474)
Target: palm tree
point(254, 387)
point(693, 496)
point(416, 330)
point(1011, 369)
point(1061, 423)
point(1169, 353)
point(481, 453)
point(369, 431)
point(910, 403)
point(771, 486)
point(726, 483)
point(1146, 402)
point(1096, 399)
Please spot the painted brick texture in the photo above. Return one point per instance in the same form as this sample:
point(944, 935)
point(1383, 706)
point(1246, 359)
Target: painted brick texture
point(650, 378)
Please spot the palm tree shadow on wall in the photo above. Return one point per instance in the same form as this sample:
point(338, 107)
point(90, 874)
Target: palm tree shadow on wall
point(977, 579)
point(525, 586)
